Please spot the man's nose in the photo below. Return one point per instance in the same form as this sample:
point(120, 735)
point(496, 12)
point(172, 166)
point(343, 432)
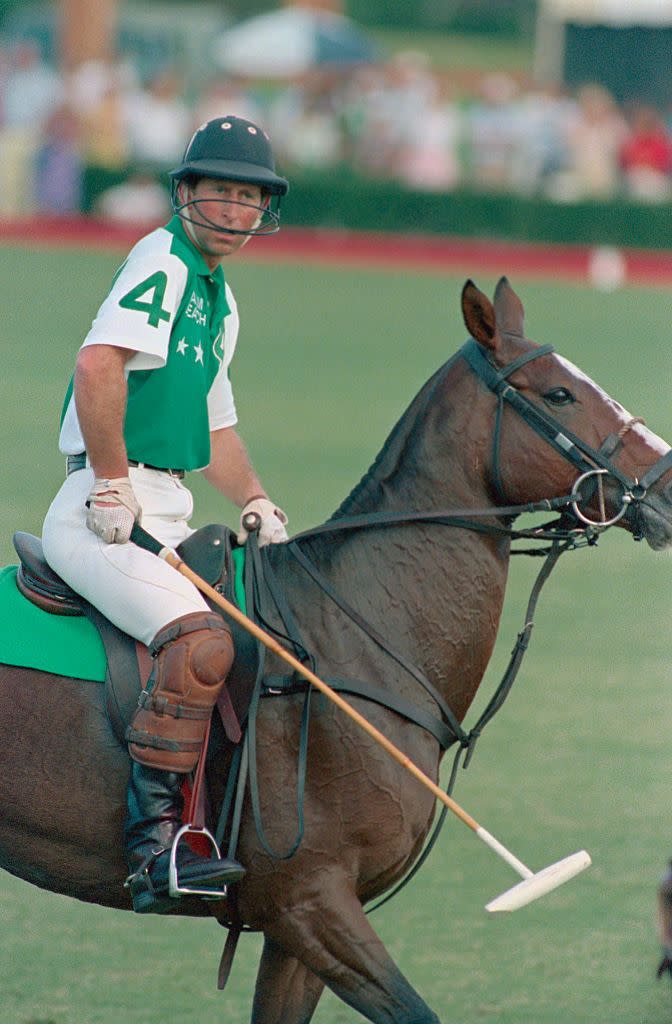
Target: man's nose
point(227, 210)
point(231, 207)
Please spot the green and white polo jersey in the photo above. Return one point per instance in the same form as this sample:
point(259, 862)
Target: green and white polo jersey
point(181, 320)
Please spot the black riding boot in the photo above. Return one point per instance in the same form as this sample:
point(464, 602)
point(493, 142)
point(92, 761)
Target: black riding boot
point(154, 819)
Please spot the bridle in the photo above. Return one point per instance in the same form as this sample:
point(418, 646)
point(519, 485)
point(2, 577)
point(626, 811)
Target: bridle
point(595, 465)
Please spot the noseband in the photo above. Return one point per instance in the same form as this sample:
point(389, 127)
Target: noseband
point(594, 464)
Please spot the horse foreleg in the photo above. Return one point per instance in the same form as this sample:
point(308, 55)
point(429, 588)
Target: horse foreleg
point(329, 933)
point(287, 992)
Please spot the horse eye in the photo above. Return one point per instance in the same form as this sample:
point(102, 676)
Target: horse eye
point(559, 396)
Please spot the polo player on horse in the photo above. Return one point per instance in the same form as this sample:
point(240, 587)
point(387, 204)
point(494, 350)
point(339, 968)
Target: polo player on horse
point(150, 400)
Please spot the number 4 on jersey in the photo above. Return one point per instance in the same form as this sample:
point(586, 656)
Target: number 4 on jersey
point(156, 285)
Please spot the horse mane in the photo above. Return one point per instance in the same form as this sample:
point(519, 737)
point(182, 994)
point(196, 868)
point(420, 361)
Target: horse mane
point(387, 459)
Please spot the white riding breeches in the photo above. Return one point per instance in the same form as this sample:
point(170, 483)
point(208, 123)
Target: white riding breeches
point(137, 591)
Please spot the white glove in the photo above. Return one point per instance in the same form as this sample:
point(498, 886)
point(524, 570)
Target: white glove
point(264, 517)
point(112, 509)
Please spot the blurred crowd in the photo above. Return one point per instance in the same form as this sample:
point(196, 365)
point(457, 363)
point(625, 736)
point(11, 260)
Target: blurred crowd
point(399, 121)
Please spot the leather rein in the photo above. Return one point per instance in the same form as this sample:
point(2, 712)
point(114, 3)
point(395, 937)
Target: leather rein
point(573, 528)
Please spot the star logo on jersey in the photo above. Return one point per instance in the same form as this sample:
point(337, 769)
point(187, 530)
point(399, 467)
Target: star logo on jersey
point(182, 346)
point(199, 353)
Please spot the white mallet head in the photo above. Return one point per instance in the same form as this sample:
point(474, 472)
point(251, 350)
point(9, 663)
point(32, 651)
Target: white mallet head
point(538, 885)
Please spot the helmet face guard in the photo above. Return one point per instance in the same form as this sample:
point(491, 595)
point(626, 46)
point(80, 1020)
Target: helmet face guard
point(191, 211)
point(231, 149)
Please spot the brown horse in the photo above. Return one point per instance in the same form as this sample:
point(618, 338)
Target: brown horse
point(503, 422)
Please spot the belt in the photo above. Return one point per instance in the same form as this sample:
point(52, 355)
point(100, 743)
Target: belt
point(75, 462)
point(179, 473)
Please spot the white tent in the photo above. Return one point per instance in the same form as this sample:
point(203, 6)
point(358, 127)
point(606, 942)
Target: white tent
point(625, 45)
point(609, 12)
point(290, 41)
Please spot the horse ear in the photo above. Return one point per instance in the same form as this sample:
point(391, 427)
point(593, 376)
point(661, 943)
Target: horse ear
point(479, 315)
point(509, 309)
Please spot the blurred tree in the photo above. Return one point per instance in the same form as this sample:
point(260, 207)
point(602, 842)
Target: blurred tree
point(506, 17)
point(7, 6)
point(238, 9)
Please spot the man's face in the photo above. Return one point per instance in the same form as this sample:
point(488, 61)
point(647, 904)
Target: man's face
point(225, 204)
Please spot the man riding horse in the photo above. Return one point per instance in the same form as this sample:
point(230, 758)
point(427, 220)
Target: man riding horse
point(151, 399)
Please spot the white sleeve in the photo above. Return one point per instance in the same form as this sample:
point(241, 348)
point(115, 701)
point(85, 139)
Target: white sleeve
point(221, 404)
point(140, 308)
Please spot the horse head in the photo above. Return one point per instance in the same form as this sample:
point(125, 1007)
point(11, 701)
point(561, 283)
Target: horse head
point(558, 433)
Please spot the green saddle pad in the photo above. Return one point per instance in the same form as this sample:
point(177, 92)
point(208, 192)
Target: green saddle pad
point(65, 645)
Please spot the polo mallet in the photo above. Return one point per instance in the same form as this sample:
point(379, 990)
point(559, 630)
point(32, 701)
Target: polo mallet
point(533, 885)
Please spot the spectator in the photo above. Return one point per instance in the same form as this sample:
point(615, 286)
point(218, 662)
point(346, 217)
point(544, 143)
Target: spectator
point(544, 115)
point(404, 91)
point(594, 141)
point(31, 92)
point(158, 121)
point(357, 95)
point(58, 165)
point(311, 131)
point(646, 156)
point(104, 134)
point(429, 160)
point(89, 83)
point(492, 136)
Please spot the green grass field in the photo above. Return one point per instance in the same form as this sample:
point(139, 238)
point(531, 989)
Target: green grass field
point(579, 756)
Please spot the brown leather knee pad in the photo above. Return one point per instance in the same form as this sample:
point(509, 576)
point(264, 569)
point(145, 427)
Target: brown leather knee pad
point(193, 657)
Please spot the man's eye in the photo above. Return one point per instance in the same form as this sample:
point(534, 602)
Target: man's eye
point(559, 396)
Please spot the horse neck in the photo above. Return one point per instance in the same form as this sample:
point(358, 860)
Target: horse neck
point(437, 590)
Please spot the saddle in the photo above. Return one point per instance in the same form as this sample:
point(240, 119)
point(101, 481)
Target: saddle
point(209, 552)
point(39, 583)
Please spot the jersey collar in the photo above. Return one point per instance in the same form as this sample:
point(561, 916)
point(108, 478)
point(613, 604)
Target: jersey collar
point(176, 228)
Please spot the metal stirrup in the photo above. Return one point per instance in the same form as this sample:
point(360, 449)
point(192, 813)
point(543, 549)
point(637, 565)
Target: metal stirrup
point(195, 827)
point(175, 889)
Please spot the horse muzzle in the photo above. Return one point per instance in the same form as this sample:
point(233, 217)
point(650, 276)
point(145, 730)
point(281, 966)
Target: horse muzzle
point(650, 518)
